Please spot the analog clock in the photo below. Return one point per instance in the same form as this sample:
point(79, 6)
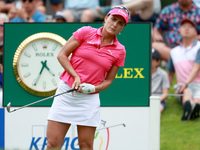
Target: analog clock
point(35, 63)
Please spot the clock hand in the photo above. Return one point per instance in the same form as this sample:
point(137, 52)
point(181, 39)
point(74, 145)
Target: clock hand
point(38, 77)
point(51, 72)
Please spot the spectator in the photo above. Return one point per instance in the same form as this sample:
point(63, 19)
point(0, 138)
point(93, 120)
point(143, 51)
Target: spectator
point(56, 5)
point(12, 13)
point(6, 5)
point(3, 19)
point(185, 62)
point(28, 13)
point(1, 66)
point(160, 82)
point(81, 11)
point(40, 6)
point(59, 16)
point(168, 23)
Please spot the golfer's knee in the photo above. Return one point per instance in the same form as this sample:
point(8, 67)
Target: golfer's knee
point(52, 144)
point(86, 146)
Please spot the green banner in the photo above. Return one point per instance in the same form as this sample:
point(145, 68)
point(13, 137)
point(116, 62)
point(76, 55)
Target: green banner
point(130, 88)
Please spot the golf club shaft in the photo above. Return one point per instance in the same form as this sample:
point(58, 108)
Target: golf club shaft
point(111, 126)
point(71, 90)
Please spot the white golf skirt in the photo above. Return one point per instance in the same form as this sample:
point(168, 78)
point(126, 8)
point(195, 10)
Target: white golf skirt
point(79, 109)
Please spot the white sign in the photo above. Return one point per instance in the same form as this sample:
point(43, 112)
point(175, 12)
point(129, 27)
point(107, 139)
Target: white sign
point(122, 128)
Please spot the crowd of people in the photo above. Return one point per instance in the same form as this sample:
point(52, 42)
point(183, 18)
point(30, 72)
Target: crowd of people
point(176, 35)
point(176, 38)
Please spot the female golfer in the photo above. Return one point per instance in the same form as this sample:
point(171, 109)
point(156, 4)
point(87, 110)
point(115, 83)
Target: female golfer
point(96, 58)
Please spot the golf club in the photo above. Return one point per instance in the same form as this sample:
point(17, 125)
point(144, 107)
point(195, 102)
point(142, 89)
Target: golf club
point(9, 104)
point(111, 126)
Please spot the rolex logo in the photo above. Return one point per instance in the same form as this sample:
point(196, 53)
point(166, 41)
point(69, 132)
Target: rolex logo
point(45, 44)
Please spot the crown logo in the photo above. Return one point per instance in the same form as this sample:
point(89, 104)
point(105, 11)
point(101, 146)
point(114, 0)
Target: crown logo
point(45, 44)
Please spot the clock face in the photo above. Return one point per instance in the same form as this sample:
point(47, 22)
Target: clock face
point(35, 63)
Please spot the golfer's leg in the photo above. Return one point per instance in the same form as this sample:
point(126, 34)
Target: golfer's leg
point(86, 137)
point(56, 132)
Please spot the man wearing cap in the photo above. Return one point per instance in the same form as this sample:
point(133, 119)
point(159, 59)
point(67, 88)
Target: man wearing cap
point(59, 16)
point(160, 81)
point(185, 62)
point(28, 13)
point(165, 33)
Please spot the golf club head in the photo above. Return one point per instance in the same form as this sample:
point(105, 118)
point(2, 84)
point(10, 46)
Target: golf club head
point(8, 107)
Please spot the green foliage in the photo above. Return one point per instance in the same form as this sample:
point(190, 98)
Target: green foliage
point(174, 133)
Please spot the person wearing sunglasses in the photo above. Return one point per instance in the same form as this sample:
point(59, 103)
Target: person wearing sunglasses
point(96, 58)
point(29, 13)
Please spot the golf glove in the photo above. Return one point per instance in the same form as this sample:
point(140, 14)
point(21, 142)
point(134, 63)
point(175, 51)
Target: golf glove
point(87, 88)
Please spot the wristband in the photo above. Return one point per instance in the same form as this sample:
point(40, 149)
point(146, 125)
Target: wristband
point(26, 19)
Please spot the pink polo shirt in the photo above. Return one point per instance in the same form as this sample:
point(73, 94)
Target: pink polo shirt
point(90, 61)
point(182, 60)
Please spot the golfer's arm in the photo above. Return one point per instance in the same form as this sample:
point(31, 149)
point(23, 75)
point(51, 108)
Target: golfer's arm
point(62, 57)
point(108, 80)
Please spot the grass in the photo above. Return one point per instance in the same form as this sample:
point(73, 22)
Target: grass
point(176, 134)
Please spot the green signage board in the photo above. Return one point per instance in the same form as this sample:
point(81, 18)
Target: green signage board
point(131, 87)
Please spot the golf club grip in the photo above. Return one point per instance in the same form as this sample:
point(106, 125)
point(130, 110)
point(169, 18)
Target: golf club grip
point(71, 90)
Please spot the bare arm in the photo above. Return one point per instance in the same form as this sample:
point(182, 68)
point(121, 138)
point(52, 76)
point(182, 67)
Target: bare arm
point(171, 77)
point(193, 74)
point(164, 94)
point(145, 7)
point(2, 6)
point(62, 57)
point(157, 36)
point(138, 4)
point(108, 80)
point(6, 7)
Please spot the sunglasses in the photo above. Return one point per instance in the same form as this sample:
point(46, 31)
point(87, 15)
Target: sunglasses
point(123, 8)
point(27, 0)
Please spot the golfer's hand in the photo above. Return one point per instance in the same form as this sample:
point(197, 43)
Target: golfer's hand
point(87, 88)
point(77, 82)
